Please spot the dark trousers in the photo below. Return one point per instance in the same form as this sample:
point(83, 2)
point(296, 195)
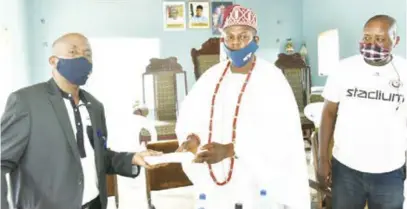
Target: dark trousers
point(352, 189)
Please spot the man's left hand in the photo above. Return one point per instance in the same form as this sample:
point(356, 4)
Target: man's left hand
point(214, 152)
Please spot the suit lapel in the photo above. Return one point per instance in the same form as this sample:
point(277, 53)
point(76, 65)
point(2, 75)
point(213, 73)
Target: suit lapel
point(63, 117)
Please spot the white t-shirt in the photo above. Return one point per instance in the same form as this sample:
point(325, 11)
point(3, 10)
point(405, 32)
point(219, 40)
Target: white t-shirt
point(370, 131)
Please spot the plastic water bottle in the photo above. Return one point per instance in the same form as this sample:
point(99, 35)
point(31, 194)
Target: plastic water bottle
point(202, 201)
point(263, 202)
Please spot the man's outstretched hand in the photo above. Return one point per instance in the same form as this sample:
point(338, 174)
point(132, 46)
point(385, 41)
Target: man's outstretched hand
point(138, 159)
point(214, 152)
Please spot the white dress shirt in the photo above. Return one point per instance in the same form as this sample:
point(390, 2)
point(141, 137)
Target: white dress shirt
point(91, 190)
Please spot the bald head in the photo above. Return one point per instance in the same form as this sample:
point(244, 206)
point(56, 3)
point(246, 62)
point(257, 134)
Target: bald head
point(381, 30)
point(390, 21)
point(71, 45)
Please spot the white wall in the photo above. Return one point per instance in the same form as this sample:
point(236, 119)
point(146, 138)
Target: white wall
point(328, 51)
point(116, 82)
point(14, 71)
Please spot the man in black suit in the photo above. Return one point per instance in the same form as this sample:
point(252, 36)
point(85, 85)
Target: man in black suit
point(53, 138)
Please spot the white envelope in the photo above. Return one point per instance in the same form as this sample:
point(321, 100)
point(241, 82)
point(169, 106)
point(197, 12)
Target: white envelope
point(175, 157)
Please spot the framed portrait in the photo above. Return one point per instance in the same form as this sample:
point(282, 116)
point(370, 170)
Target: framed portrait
point(217, 10)
point(174, 15)
point(198, 14)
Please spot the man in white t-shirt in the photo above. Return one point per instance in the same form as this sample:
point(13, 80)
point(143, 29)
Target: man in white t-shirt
point(364, 112)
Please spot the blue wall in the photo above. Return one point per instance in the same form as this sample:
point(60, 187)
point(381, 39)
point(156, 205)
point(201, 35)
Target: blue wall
point(299, 19)
point(349, 17)
point(143, 18)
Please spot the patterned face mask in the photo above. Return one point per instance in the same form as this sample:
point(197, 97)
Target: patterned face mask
point(374, 52)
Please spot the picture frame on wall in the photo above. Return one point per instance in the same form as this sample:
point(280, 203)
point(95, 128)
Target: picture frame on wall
point(199, 14)
point(174, 14)
point(217, 14)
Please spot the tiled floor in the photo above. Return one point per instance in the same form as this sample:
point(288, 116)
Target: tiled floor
point(132, 195)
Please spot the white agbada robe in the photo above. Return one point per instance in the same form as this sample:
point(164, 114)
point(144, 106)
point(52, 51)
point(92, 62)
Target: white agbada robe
point(269, 142)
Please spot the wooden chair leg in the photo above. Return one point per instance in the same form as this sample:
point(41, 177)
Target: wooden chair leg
point(319, 201)
point(314, 152)
point(116, 193)
point(328, 203)
point(148, 191)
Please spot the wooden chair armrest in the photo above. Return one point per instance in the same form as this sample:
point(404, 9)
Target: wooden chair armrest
point(165, 146)
point(170, 176)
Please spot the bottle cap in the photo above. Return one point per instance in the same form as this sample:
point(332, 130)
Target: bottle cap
point(238, 206)
point(263, 192)
point(202, 196)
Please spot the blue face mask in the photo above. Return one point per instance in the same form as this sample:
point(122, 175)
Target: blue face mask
point(75, 70)
point(242, 56)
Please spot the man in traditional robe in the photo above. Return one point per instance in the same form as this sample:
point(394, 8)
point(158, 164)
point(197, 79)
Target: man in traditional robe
point(365, 112)
point(242, 121)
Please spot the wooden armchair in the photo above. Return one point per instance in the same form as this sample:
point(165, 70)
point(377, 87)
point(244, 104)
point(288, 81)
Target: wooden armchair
point(112, 189)
point(298, 75)
point(316, 94)
point(324, 196)
point(206, 57)
point(168, 177)
point(164, 85)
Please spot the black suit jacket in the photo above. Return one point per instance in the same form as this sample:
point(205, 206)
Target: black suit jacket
point(39, 150)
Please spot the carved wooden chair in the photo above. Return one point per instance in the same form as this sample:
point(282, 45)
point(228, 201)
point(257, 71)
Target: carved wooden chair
point(112, 188)
point(298, 75)
point(323, 195)
point(316, 95)
point(206, 57)
point(164, 85)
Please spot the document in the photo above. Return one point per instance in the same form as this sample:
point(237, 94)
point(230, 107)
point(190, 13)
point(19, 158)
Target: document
point(175, 157)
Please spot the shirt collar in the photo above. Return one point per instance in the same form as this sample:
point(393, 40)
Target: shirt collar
point(68, 96)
